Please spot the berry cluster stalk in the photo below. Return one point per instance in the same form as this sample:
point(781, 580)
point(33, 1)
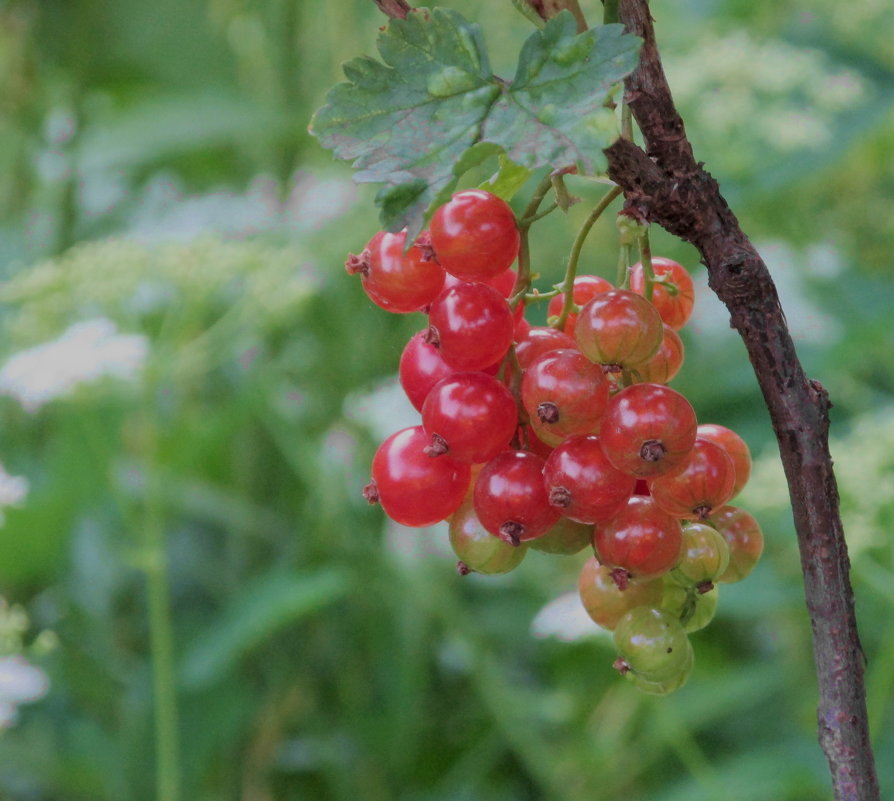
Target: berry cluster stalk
point(664, 184)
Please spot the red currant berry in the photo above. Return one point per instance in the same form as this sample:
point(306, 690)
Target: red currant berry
point(471, 416)
point(619, 328)
point(702, 483)
point(474, 235)
point(510, 500)
point(642, 487)
point(531, 442)
point(647, 429)
point(666, 363)
point(394, 280)
point(539, 340)
point(564, 394)
point(533, 342)
point(605, 602)
point(735, 446)
point(652, 644)
point(504, 282)
point(421, 367)
point(693, 608)
point(565, 537)
point(705, 557)
point(471, 325)
point(673, 293)
point(477, 548)
point(582, 484)
point(585, 288)
point(744, 537)
point(641, 541)
point(413, 488)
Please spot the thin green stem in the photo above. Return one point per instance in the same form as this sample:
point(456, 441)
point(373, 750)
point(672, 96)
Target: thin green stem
point(563, 197)
point(645, 256)
point(528, 221)
point(161, 636)
point(622, 280)
point(536, 199)
point(574, 257)
point(535, 296)
point(523, 282)
point(626, 122)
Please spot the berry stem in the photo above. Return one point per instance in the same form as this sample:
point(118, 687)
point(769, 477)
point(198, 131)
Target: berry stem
point(645, 256)
point(528, 221)
point(574, 256)
point(622, 280)
point(523, 282)
point(536, 297)
point(564, 199)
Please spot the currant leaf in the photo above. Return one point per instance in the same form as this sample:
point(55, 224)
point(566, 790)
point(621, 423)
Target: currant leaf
point(431, 108)
point(554, 111)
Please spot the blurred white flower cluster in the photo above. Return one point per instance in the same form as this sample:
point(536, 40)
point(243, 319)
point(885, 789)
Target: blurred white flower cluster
point(864, 469)
point(20, 681)
point(13, 491)
point(566, 619)
point(748, 97)
point(85, 352)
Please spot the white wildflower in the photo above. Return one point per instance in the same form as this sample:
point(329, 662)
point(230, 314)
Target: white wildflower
point(20, 683)
point(565, 619)
point(85, 352)
point(13, 490)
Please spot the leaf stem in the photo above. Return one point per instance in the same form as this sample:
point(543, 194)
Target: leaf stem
point(161, 637)
point(574, 256)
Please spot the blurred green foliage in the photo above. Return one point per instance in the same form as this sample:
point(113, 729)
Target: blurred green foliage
point(201, 520)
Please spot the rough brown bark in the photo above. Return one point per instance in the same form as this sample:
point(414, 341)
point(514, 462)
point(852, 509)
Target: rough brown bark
point(666, 185)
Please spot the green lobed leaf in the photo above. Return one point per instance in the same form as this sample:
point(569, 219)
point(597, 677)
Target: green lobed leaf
point(554, 112)
point(431, 109)
point(406, 122)
point(508, 180)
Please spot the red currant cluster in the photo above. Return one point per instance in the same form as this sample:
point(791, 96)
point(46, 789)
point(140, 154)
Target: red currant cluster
point(561, 437)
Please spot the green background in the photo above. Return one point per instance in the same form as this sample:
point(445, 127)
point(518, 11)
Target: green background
point(203, 523)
